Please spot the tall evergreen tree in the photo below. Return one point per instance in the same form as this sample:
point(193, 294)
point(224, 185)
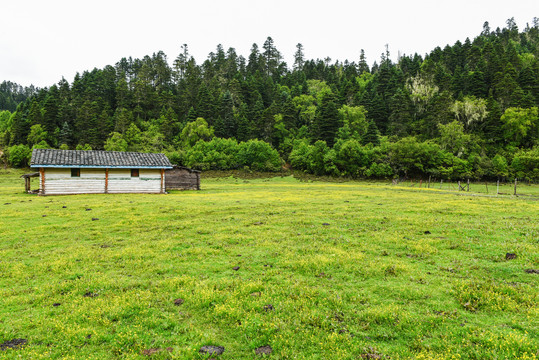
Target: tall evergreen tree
point(362, 65)
point(229, 127)
point(372, 136)
point(327, 121)
point(299, 58)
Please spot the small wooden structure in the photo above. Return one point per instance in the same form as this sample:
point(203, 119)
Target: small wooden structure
point(182, 178)
point(97, 172)
point(27, 182)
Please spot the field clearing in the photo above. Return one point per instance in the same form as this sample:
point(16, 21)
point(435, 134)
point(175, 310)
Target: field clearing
point(315, 270)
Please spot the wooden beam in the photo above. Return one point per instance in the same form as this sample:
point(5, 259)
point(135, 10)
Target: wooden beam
point(106, 180)
point(42, 178)
point(162, 180)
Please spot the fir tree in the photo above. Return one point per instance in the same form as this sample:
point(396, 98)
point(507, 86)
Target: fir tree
point(327, 119)
point(372, 136)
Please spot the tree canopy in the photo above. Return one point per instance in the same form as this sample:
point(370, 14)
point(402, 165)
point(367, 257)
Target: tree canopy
point(467, 106)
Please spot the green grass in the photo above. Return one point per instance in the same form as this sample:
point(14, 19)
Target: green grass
point(347, 267)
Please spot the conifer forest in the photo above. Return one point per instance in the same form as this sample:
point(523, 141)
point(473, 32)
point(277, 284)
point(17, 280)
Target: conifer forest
point(466, 110)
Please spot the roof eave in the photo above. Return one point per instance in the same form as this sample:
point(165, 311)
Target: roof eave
point(99, 166)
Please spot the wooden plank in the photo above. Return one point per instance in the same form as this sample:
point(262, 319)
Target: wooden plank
point(162, 180)
point(42, 177)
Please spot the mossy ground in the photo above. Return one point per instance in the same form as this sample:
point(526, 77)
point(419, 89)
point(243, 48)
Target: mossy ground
point(351, 270)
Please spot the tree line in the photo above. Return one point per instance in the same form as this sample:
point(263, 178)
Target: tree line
point(467, 110)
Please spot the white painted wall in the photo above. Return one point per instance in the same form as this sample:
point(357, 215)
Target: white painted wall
point(92, 181)
point(120, 181)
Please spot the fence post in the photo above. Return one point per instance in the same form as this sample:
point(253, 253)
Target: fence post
point(468, 189)
point(428, 185)
point(497, 187)
point(515, 186)
point(486, 184)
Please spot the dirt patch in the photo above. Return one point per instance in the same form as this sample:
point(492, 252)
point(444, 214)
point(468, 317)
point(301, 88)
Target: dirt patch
point(150, 352)
point(178, 302)
point(371, 356)
point(510, 256)
point(13, 344)
point(212, 350)
point(91, 294)
point(531, 271)
point(339, 316)
point(372, 353)
point(268, 307)
point(263, 350)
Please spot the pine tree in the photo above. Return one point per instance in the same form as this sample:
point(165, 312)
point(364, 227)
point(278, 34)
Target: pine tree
point(169, 124)
point(20, 127)
point(372, 136)
point(327, 121)
point(272, 57)
point(299, 58)
point(254, 64)
point(229, 126)
point(66, 134)
point(362, 65)
point(243, 133)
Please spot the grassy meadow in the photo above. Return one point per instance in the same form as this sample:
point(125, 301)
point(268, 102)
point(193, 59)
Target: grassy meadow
point(310, 270)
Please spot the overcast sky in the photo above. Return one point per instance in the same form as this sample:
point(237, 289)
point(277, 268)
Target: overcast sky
point(43, 41)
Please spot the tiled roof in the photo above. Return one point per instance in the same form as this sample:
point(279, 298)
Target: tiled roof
point(98, 159)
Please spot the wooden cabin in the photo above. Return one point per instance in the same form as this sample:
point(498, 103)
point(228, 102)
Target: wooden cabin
point(99, 172)
point(182, 178)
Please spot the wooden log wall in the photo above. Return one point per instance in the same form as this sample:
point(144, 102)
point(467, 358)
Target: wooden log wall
point(182, 179)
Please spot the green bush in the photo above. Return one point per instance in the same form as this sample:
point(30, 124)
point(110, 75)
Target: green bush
point(19, 155)
point(258, 156)
point(353, 158)
point(525, 164)
point(409, 157)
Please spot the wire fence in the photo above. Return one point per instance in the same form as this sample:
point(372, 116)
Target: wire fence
point(496, 188)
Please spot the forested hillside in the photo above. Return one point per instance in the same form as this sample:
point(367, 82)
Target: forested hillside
point(12, 94)
point(467, 110)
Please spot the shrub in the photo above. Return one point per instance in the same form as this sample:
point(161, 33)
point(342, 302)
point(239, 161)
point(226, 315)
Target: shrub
point(258, 156)
point(217, 154)
point(525, 164)
point(19, 155)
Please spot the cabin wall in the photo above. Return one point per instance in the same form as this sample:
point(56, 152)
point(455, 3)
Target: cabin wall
point(59, 181)
point(120, 181)
point(92, 181)
point(182, 179)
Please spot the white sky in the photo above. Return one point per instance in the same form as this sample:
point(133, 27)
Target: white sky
point(43, 40)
